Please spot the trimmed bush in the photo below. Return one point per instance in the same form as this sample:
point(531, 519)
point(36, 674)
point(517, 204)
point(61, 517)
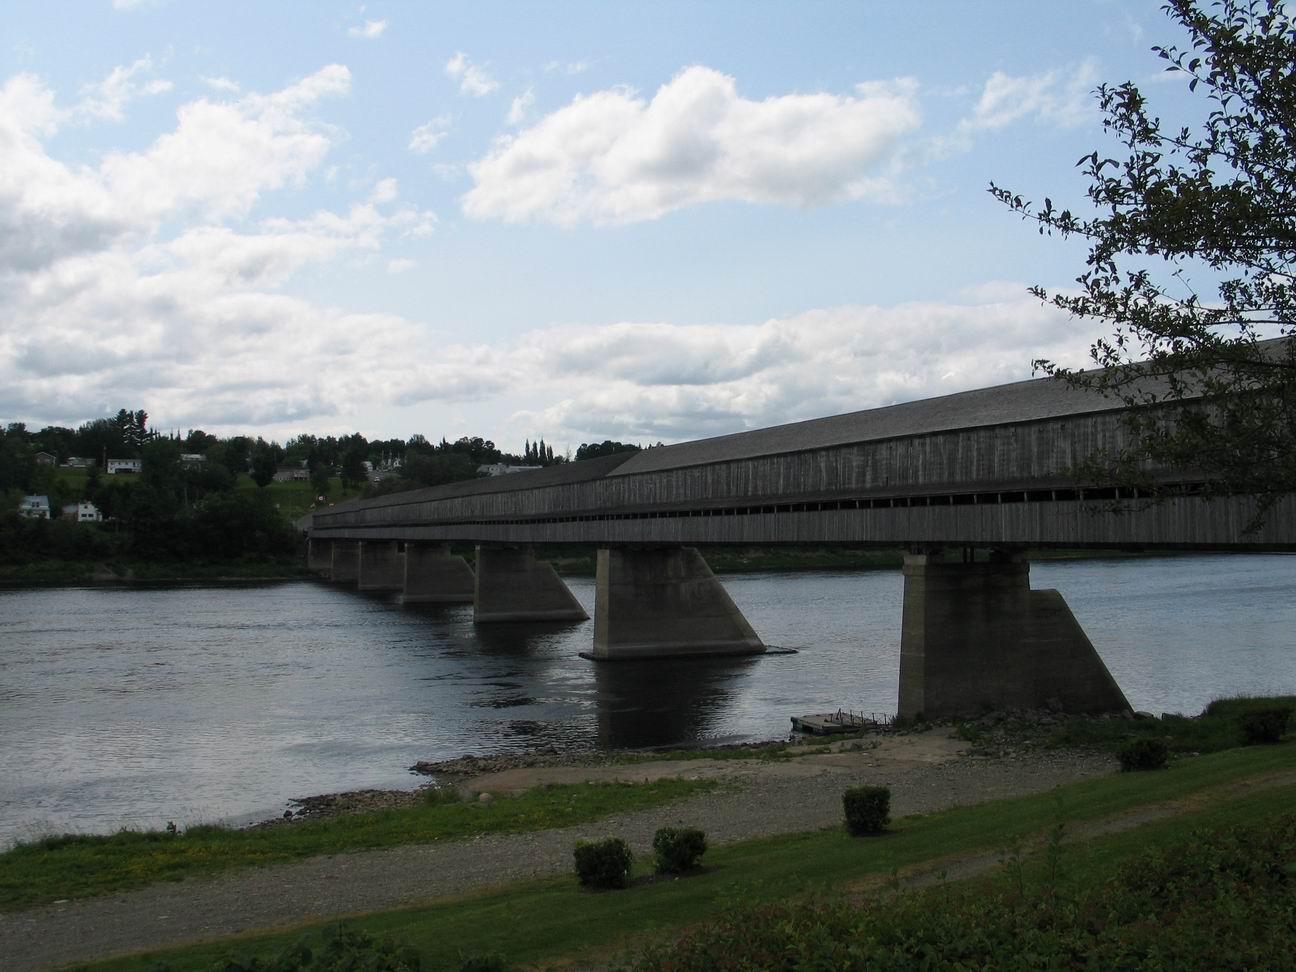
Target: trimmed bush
point(868, 809)
point(485, 963)
point(1215, 900)
point(1143, 754)
point(678, 849)
point(1265, 725)
point(603, 863)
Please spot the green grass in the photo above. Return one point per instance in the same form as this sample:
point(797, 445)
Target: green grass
point(295, 499)
point(77, 866)
point(1217, 728)
point(541, 921)
point(767, 751)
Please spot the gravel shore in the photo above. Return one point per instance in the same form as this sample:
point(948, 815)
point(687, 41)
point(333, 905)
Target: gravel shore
point(926, 772)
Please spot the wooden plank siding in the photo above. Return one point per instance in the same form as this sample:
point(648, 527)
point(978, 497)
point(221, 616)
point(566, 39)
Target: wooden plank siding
point(1006, 485)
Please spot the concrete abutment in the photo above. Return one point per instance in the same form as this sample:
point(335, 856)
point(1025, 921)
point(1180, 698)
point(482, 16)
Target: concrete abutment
point(381, 566)
point(658, 602)
point(974, 636)
point(319, 556)
point(434, 576)
point(511, 585)
point(344, 564)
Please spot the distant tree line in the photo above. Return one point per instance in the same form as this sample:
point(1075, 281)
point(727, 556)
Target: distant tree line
point(184, 502)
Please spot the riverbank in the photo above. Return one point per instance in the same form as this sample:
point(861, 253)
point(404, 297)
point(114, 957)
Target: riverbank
point(774, 836)
point(61, 573)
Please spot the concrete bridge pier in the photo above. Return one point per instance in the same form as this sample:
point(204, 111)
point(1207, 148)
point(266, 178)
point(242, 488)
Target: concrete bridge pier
point(319, 556)
point(344, 566)
point(511, 585)
point(974, 636)
point(433, 576)
point(381, 566)
point(654, 602)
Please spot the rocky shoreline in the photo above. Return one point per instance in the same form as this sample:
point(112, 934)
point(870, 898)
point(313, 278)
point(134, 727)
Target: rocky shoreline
point(459, 771)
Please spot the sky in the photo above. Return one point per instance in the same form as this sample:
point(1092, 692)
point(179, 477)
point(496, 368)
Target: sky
point(571, 221)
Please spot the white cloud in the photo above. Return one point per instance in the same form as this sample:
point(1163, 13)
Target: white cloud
point(219, 83)
point(473, 80)
point(521, 106)
point(401, 264)
point(614, 157)
point(104, 300)
point(658, 381)
point(223, 155)
point(107, 99)
point(369, 30)
point(427, 136)
point(1054, 97)
point(566, 67)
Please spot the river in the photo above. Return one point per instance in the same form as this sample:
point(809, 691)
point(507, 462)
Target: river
point(138, 706)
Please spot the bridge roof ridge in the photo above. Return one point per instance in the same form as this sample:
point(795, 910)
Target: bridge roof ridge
point(1034, 399)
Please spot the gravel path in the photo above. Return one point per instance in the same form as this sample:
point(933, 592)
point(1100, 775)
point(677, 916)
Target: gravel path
point(793, 796)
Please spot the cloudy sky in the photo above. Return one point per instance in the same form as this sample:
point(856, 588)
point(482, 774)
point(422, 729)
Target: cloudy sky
point(572, 220)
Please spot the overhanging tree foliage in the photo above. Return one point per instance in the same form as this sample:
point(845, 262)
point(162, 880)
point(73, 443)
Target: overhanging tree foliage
point(1191, 259)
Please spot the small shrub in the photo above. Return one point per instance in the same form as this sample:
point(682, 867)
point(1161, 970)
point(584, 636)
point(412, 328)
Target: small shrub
point(1143, 754)
point(603, 863)
point(437, 796)
point(1265, 725)
point(484, 963)
point(678, 849)
point(868, 809)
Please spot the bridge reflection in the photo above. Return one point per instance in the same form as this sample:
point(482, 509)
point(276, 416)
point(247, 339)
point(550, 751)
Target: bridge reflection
point(646, 704)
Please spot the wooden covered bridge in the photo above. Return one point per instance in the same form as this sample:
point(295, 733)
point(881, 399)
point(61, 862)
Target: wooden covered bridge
point(986, 470)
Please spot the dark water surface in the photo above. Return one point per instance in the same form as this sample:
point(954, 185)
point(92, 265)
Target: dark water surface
point(139, 706)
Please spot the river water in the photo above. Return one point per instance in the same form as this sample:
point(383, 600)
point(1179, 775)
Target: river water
point(132, 707)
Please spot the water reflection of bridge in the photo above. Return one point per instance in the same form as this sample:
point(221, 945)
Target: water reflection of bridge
point(984, 470)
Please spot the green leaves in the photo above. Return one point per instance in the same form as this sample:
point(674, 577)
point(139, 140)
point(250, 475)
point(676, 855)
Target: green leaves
point(1190, 263)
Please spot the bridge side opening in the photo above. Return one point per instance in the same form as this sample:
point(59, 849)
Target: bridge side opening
point(660, 602)
point(975, 637)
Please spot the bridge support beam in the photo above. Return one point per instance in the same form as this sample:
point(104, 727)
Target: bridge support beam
point(511, 585)
point(433, 576)
point(381, 566)
point(664, 601)
point(975, 636)
point(344, 566)
point(319, 556)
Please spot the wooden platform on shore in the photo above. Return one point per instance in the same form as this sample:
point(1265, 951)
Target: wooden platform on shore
point(832, 723)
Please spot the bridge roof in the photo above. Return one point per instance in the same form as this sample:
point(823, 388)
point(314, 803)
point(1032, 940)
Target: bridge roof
point(559, 475)
point(1021, 401)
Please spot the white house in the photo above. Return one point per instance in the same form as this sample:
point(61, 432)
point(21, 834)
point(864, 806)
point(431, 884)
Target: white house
point(502, 469)
point(192, 458)
point(34, 507)
point(83, 512)
point(124, 466)
point(78, 462)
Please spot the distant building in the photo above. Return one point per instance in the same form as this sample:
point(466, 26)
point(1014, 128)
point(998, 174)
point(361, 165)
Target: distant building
point(502, 469)
point(83, 512)
point(192, 458)
point(46, 459)
point(34, 507)
point(78, 462)
point(116, 466)
point(292, 472)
